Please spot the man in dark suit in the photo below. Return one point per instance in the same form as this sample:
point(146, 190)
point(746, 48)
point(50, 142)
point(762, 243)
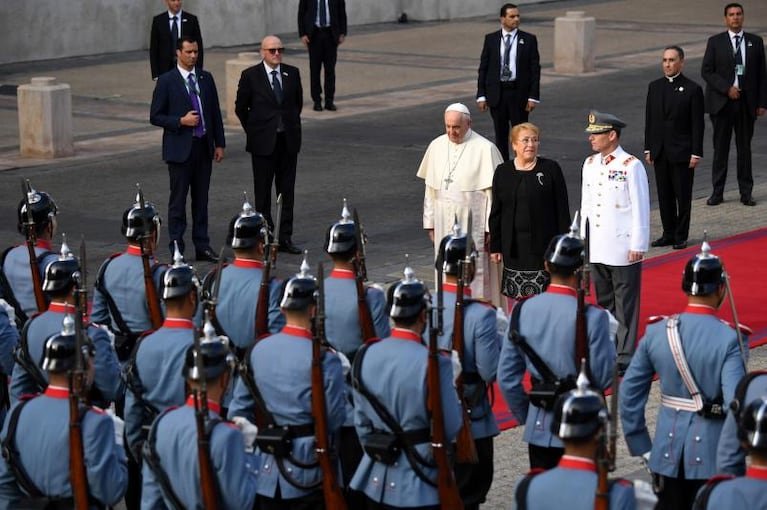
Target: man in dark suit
point(736, 93)
point(185, 105)
point(167, 28)
point(268, 104)
point(509, 76)
point(322, 28)
point(673, 140)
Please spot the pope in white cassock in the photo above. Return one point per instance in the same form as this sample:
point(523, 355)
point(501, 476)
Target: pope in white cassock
point(458, 172)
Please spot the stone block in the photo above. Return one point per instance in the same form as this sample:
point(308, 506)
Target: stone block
point(234, 68)
point(574, 43)
point(45, 119)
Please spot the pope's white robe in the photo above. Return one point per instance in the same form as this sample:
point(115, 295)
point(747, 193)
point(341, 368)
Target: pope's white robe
point(459, 179)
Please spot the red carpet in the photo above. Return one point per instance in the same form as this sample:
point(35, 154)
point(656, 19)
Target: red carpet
point(743, 256)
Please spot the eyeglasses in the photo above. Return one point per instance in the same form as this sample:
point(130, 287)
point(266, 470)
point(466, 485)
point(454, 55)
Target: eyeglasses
point(275, 50)
point(529, 141)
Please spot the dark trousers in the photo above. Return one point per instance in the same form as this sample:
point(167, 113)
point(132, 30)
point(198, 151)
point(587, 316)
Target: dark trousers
point(474, 480)
point(193, 177)
point(278, 167)
point(313, 501)
point(734, 116)
point(323, 52)
point(508, 113)
point(544, 457)
point(350, 455)
point(618, 289)
point(677, 493)
point(674, 181)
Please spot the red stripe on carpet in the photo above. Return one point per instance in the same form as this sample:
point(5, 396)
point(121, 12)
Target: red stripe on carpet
point(742, 255)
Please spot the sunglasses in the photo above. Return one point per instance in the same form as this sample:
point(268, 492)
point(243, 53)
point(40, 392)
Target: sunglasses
point(275, 50)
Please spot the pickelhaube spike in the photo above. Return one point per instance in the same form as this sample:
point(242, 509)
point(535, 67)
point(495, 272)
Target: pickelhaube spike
point(303, 271)
point(32, 196)
point(68, 325)
point(408, 273)
point(575, 229)
point(456, 227)
point(178, 259)
point(208, 330)
point(247, 209)
point(346, 216)
point(705, 248)
point(582, 383)
point(65, 252)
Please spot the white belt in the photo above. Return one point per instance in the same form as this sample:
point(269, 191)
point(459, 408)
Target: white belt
point(685, 404)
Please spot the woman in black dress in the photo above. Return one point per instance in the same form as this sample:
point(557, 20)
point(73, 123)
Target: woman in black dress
point(530, 206)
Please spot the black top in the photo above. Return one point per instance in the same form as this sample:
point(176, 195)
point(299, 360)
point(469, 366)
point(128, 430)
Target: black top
point(529, 208)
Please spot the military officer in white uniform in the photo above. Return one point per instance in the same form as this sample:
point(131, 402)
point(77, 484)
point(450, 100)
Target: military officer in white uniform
point(616, 203)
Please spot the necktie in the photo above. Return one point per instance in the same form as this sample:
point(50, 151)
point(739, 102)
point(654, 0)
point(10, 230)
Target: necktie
point(277, 87)
point(738, 54)
point(323, 14)
point(174, 33)
point(506, 73)
point(199, 129)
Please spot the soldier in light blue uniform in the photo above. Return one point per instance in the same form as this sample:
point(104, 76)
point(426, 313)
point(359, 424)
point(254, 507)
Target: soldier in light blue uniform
point(36, 434)
point(547, 323)
point(154, 373)
point(693, 406)
point(393, 371)
point(9, 340)
point(280, 366)
point(580, 418)
point(61, 280)
point(730, 456)
point(343, 327)
point(15, 276)
point(241, 283)
point(121, 279)
point(482, 346)
point(171, 451)
point(749, 491)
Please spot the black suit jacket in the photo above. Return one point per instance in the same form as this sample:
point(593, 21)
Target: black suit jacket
point(307, 14)
point(718, 71)
point(258, 110)
point(528, 68)
point(170, 102)
point(161, 50)
point(549, 209)
point(675, 124)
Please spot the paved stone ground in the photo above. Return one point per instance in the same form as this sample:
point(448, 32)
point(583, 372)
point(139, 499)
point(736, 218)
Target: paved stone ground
point(394, 82)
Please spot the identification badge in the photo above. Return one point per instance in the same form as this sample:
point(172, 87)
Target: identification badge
point(740, 69)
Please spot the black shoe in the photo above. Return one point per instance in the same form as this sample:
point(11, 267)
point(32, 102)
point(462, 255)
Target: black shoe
point(317, 106)
point(748, 201)
point(714, 200)
point(661, 241)
point(680, 245)
point(331, 107)
point(206, 255)
point(289, 247)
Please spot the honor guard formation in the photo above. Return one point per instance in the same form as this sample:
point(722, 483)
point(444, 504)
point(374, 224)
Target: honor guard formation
point(157, 387)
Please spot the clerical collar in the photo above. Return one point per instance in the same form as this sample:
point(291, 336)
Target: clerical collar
point(672, 78)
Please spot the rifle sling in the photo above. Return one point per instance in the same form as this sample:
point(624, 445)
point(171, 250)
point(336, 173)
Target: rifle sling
point(122, 326)
point(519, 341)
point(153, 462)
point(25, 361)
point(415, 459)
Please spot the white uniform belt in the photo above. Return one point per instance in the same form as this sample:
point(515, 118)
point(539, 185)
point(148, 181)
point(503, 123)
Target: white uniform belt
point(685, 404)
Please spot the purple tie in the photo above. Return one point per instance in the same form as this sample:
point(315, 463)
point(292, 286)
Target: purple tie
point(199, 129)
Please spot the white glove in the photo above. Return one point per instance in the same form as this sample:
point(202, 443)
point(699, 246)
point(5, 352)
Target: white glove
point(346, 365)
point(9, 311)
point(109, 334)
point(249, 431)
point(613, 325)
point(456, 362)
point(646, 458)
point(501, 322)
point(119, 425)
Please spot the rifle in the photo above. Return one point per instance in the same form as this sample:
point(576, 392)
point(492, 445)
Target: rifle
point(207, 478)
point(270, 261)
point(367, 328)
point(447, 488)
point(331, 490)
point(152, 300)
point(31, 236)
point(602, 495)
point(77, 388)
point(581, 329)
point(465, 449)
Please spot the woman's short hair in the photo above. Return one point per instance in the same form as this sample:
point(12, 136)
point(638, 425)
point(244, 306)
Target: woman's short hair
point(525, 126)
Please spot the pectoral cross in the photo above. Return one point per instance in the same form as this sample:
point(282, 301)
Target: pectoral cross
point(448, 181)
